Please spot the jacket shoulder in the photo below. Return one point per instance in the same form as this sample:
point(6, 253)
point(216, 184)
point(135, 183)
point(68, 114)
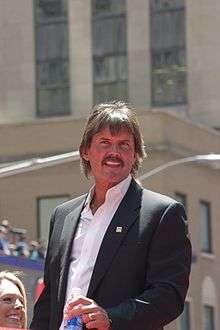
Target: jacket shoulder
point(156, 203)
point(158, 198)
point(70, 205)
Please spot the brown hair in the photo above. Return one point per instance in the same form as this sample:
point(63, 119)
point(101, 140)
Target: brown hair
point(6, 275)
point(114, 115)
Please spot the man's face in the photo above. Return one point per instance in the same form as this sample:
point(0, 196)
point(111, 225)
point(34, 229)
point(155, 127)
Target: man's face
point(111, 157)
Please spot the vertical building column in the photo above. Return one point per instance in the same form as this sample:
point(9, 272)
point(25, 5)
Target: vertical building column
point(80, 35)
point(203, 59)
point(139, 69)
point(17, 69)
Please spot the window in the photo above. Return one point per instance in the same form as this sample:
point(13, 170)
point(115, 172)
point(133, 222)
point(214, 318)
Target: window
point(205, 227)
point(109, 50)
point(209, 302)
point(45, 207)
point(52, 63)
point(209, 323)
point(180, 197)
point(185, 317)
point(168, 52)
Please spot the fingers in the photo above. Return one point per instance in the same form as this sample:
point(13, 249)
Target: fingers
point(98, 320)
point(73, 308)
point(93, 316)
point(79, 301)
point(81, 310)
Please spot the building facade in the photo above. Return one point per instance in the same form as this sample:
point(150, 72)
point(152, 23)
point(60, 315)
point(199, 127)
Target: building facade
point(27, 198)
point(58, 58)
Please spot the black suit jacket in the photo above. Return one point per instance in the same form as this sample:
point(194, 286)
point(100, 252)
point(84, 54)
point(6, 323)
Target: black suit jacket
point(141, 274)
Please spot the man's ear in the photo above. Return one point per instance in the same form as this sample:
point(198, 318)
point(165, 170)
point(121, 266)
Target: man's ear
point(135, 157)
point(84, 154)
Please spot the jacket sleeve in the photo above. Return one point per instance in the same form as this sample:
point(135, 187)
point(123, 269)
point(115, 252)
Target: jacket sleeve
point(41, 313)
point(168, 268)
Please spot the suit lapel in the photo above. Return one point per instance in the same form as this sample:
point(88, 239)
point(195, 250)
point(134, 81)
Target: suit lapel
point(123, 219)
point(66, 241)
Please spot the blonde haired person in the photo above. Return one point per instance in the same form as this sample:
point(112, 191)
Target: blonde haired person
point(13, 302)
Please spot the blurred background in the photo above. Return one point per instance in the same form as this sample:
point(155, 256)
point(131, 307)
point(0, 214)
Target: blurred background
point(60, 57)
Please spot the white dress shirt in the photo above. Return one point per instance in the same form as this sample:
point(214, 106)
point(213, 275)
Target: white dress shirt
point(89, 235)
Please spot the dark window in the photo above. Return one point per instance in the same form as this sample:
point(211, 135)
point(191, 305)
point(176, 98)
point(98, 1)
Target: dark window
point(180, 197)
point(45, 207)
point(52, 59)
point(168, 52)
point(205, 227)
point(109, 50)
point(209, 323)
point(185, 317)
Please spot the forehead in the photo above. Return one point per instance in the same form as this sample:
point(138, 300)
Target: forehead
point(8, 287)
point(107, 132)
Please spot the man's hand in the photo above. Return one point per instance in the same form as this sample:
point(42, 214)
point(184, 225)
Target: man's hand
point(93, 316)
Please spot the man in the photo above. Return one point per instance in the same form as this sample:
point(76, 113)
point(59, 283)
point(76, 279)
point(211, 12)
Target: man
point(126, 248)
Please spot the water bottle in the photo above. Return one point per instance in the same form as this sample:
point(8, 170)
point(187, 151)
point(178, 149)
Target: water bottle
point(73, 324)
point(76, 322)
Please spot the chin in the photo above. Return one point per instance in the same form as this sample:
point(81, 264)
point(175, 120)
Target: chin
point(14, 325)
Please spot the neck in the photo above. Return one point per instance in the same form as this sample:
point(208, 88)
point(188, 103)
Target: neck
point(98, 198)
point(96, 202)
point(99, 194)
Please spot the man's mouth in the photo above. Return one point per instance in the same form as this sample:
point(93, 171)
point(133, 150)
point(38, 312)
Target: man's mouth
point(113, 162)
point(14, 317)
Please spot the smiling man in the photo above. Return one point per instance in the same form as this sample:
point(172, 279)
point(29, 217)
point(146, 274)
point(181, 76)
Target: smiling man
point(115, 243)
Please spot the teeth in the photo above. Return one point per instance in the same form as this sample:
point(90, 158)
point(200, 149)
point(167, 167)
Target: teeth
point(14, 317)
point(112, 162)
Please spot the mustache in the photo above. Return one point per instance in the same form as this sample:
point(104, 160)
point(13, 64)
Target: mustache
point(113, 158)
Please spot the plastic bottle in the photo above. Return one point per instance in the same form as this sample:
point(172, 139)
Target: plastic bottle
point(76, 322)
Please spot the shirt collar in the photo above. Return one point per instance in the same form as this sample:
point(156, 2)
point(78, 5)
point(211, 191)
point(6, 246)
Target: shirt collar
point(120, 188)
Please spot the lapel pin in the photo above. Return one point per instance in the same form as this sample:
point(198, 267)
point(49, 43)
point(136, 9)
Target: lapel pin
point(118, 229)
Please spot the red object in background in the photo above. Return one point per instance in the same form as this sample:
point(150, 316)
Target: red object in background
point(39, 288)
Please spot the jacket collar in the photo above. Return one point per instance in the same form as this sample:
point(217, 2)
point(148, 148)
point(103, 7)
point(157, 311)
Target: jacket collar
point(125, 216)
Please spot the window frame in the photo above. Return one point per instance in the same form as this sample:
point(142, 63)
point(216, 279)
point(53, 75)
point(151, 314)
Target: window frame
point(175, 73)
point(208, 225)
point(64, 197)
point(211, 309)
point(63, 84)
point(182, 198)
point(108, 54)
point(189, 318)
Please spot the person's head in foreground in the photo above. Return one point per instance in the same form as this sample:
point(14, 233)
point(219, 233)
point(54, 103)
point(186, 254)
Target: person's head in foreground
point(13, 304)
point(112, 146)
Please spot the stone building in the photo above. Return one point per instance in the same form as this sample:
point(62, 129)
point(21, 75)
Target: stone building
point(59, 57)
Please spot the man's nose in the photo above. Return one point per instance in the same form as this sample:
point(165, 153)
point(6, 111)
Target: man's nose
point(18, 304)
point(115, 148)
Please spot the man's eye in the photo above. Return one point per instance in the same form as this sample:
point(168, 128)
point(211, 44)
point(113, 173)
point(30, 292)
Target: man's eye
point(7, 300)
point(125, 145)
